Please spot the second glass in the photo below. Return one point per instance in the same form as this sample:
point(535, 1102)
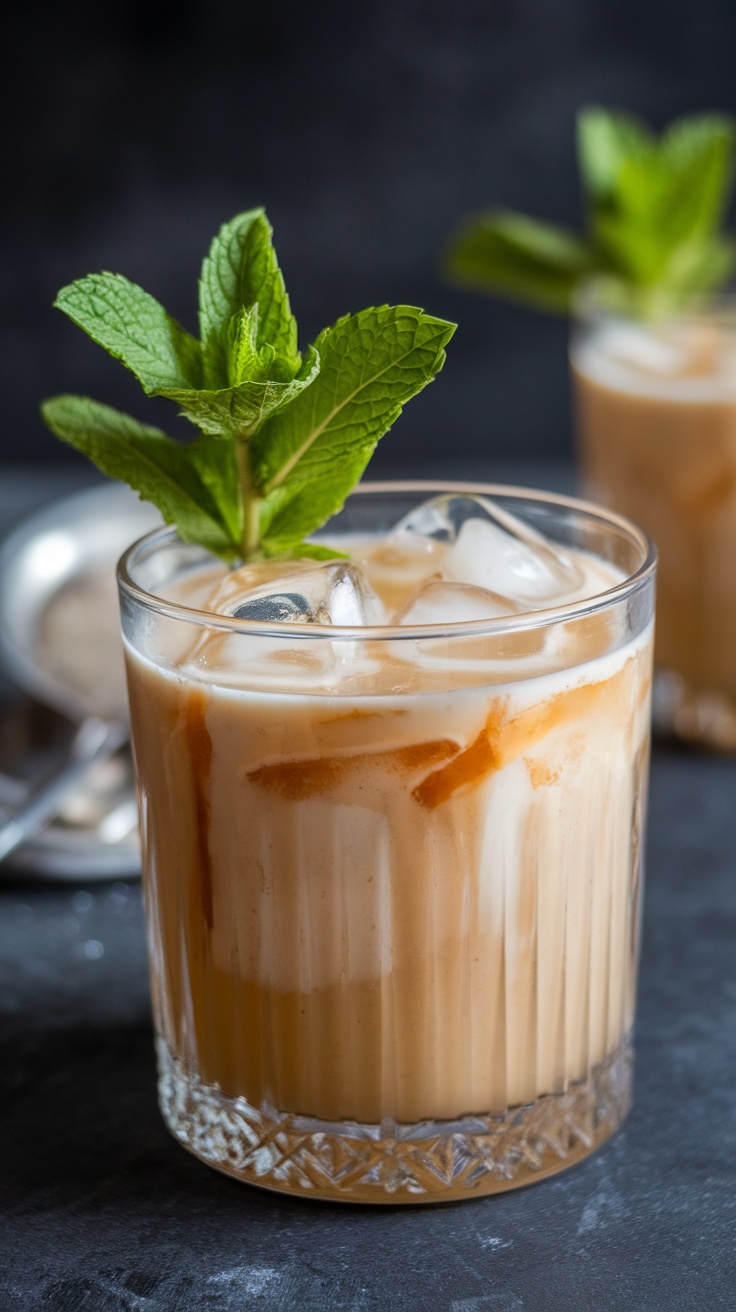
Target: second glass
point(393, 876)
point(656, 412)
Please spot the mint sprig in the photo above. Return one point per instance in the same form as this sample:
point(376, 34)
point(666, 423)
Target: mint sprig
point(284, 437)
point(654, 208)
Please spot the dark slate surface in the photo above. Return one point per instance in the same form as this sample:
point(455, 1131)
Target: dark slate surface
point(101, 1211)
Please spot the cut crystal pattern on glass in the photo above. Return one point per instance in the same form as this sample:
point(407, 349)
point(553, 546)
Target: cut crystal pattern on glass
point(392, 1163)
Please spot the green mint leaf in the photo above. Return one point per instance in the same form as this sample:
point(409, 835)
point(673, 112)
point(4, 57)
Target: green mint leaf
point(246, 360)
point(290, 514)
point(655, 205)
point(242, 271)
point(519, 257)
point(217, 467)
point(239, 411)
point(695, 176)
point(136, 329)
point(307, 458)
point(188, 486)
point(315, 551)
point(697, 157)
point(250, 362)
point(699, 267)
point(605, 141)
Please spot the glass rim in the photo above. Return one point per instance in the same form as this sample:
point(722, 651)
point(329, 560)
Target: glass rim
point(499, 625)
point(589, 303)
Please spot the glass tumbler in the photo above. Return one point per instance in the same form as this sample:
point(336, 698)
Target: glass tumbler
point(656, 420)
point(393, 875)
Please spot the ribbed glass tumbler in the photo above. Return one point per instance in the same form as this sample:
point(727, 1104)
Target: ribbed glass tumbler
point(393, 875)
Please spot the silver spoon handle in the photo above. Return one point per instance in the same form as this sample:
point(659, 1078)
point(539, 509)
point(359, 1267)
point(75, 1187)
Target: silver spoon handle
point(95, 740)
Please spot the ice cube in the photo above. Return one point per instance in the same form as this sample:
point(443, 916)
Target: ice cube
point(283, 607)
point(432, 519)
point(351, 599)
point(299, 592)
point(438, 602)
point(642, 348)
point(494, 557)
point(490, 548)
point(284, 594)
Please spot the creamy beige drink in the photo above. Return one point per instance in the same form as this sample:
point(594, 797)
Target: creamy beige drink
point(394, 879)
point(657, 437)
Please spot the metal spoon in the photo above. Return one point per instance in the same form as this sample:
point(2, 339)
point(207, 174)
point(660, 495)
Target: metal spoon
point(71, 539)
point(95, 740)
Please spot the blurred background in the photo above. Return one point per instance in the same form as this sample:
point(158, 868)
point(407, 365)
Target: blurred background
point(132, 130)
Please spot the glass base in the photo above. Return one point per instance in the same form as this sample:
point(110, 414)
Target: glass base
point(695, 715)
point(430, 1162)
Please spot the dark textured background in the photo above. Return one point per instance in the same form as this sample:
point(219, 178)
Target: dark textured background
point(131, 130)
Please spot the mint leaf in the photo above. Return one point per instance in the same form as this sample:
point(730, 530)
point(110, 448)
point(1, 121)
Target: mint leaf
point(133, 327)
point(217, 467)
point(241, 270)
point(519, 257)
point(656, 205)
point(239, 411)
point(697, 153)
point(250, 361)
point(307, 458)
point(693, 177)
point(699, 267)
point(605, 142)
point(247, 361)
point(189, 487)
point(316, 551)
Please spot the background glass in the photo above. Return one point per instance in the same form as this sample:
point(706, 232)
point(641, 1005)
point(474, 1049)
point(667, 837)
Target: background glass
point(656, 415)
